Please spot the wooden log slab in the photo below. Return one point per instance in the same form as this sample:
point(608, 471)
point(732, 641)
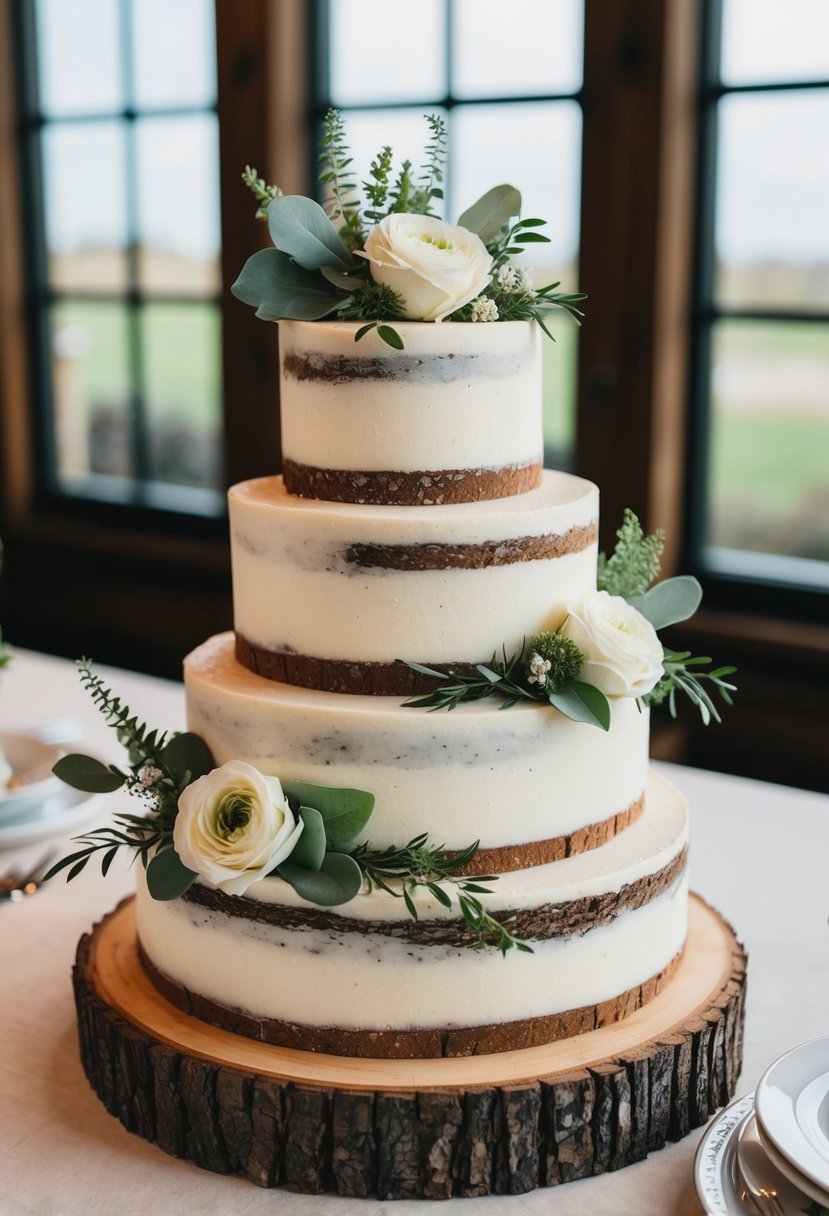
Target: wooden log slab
point(419, 1129)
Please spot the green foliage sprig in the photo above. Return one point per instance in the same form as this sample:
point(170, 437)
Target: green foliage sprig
point(421, 864)
point(310, 273)
point(509, 677)
point(679, 677)
point(262, 192)
point(634, 562)
point(338, 175)
point(324, 868)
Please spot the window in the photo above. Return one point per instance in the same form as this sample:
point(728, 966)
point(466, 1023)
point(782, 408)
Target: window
point(760, 495)
point(513, 109)
point(121, 153)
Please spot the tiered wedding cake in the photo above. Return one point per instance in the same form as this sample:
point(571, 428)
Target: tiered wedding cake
point(414, 524)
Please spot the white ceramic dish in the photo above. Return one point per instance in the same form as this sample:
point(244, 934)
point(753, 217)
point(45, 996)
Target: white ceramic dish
point(59, 815)
point(31, 761)
point(762, 1176)
point(714, 1175)
point(794, 1176)
point(792, 1103)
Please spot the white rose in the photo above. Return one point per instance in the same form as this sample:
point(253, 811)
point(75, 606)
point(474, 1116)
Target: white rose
point(434, 267)
point(622, 654)
point(233, 826)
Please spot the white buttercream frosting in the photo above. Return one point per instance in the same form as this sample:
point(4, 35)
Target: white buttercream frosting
point(297, 586)
point(456, 397)
point(501, 776)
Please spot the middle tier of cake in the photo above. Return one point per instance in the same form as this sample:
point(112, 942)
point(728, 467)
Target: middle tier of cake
point(531, 785)
point(333, 596)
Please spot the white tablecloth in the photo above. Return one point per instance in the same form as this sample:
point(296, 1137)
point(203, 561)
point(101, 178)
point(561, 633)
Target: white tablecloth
point(758, 854)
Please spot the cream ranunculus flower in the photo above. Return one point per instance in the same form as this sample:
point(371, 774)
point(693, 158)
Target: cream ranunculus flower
point(434, 267)
point(622, 654)
point(233, 826)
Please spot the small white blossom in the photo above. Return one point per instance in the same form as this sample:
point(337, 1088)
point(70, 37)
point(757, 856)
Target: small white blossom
point(484, 310)
point(150, 775)
point(508, 277)
point(538, 670)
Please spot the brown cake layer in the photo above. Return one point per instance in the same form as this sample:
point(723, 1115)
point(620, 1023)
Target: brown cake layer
point(506, 858)
point(413, 1043)
point(541, 923)
point(338, 675)
point(473, 557)
point(426, 488)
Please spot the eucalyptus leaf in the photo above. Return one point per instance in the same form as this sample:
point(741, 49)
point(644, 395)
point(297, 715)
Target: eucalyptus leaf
point(346, 282)
point(345, 811)
point(300, 228)
point(185, 754)
point(167, 875)
point(492, 211)
point(280, 289)
point(88, 774)
point(582, 703)
point(337, 881)
point(310, 848)
point(671, 601)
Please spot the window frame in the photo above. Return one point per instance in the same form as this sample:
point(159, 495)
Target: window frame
point(744, 591)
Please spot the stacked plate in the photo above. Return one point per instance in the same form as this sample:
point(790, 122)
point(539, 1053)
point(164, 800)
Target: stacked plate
point(769, 1152)
point(35, 804)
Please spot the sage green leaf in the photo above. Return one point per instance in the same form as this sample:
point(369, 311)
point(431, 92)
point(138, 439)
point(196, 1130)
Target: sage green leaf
point(309, 850)
point(300, 228)
point(492, 211)
point(345, 811)
point(671, 601)
point(346, 282)
point(185, 754)
point(337, 881)
point(167, 875)
point(88, 774)
point(582, 703)
point(280, 289)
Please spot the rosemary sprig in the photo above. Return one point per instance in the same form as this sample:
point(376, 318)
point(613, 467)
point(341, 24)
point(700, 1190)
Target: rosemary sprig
point(431, 176)
point(420, 864)
point(136, 832)
point(503, 677)
point(679, 678)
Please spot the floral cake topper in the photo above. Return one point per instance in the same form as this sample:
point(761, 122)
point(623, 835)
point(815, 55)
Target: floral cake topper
point(387, 256)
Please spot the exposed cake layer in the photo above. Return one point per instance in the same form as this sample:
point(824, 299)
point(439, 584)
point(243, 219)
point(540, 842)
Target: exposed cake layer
point(509, 778)
point(324, 588)
point(453, 417)
point(365, 979)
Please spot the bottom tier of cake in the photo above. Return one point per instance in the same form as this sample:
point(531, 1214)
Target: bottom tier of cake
point(606, 929)
point(423, 1129)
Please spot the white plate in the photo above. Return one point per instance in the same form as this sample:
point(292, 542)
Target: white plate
point(714, 1175)
point(792, 1104)
point(786, 1168)
point(60, 815)
point(764, 1176)
point(31, 760)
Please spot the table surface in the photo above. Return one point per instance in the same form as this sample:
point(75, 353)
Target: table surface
point(758, 854)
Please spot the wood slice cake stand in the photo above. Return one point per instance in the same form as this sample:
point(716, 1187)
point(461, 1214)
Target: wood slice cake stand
point(412, 1129)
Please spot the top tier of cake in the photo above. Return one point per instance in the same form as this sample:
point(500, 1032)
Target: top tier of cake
point(453, 417)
